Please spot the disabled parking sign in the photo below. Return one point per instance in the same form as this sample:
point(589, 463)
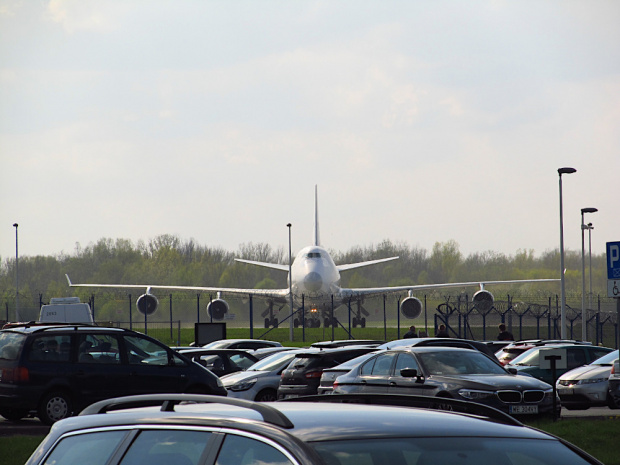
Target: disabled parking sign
point(613, 269)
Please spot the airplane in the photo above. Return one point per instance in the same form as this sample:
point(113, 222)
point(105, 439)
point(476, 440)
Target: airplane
point(314, 279)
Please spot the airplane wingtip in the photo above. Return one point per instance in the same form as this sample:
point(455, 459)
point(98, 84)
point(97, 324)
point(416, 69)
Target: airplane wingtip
point(68, 280)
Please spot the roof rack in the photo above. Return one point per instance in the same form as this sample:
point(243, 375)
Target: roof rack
point(436, 403)
point(169, 401)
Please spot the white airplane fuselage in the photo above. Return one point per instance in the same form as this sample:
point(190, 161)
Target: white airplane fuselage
point(315, 278)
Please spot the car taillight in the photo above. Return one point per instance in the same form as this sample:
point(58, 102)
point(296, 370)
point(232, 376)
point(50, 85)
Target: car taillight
point(15, 375)
point(335, 385)
point(314, 374)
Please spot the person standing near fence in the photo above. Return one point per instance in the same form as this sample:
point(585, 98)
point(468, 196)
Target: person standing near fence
point(504, 334)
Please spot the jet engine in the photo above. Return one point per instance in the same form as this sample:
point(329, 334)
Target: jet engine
point(483, 300)
point(411, 307)
point(147, 304)
point(217, 309)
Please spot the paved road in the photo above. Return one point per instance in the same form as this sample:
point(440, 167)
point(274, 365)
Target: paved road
point(33, 427)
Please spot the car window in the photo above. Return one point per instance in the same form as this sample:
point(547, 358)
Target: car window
point(367, 367)
point(50, 349)
point(167, 447)
point(461, 363)
point(10, 343)
point(240, 450)
point(242, 361)
point(91, 448)
point(575, 357)
point(405, 361)
point(383, 364)
point(142, 351)
point(596, 353)
point(100, 348)
point(273, 362)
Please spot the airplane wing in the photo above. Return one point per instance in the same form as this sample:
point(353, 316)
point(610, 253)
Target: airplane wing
point(275, 294)
point(360, 264)
point(274, 266)
point(368, 292)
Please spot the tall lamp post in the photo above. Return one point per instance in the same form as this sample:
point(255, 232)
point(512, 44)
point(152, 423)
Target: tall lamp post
point(590, 228)
point(290, 281)
point(584, 316)
point(15, 225)
point(562, 171)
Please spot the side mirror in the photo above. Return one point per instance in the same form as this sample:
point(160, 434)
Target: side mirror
point(512, 371)
point(411, 373)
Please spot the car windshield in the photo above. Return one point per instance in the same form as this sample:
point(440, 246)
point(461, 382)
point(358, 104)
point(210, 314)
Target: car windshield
point(527, 358)
point(608, 359)
point(459, 363)
point(455, 450)
point(273, 362)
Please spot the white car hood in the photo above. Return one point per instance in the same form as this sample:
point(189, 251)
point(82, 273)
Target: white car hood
point(587, 372)
point(234, 378)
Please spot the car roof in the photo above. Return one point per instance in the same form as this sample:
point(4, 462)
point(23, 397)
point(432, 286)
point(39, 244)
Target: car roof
point(354, 419)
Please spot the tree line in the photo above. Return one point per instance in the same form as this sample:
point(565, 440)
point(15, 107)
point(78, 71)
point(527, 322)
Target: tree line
point(167, 259)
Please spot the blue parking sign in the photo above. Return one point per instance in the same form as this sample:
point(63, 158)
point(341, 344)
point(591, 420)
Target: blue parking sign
point(613, 260)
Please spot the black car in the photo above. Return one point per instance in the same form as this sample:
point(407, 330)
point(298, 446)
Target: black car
point(54, 371)
point(221, 361)
point(440, 342)
point(206, 430)
point(449, 373)
point(303, 375)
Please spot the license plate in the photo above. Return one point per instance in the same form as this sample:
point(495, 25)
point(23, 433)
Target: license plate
point(291, 396)
point(524, 409)
point(566, 391)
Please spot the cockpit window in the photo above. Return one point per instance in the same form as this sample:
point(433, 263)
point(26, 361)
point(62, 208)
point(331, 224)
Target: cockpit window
point(313, 255)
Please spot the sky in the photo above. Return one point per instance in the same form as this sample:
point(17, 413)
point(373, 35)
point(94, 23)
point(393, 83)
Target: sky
point(419, 121)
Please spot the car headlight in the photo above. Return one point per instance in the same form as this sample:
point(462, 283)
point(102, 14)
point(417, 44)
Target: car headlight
point(243, 385)
point(592, 380)
point(473, 394)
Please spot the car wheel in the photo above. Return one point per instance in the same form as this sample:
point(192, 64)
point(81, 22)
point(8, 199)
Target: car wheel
point(266, 395)
point(13, 414)
point(611, 404)
point(54, 406)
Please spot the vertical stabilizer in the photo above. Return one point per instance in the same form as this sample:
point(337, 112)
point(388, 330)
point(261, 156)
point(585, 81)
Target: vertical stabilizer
point(317, 240)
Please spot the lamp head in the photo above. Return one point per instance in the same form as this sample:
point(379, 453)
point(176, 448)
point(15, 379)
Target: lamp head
point(566, 170)
point(589, 210)
point(15, 225)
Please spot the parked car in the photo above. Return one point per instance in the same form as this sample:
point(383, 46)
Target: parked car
point(55, 371)
point(329, 375)
point(260, 381)
point(576, 355)
point(267, 351)
point(221, 361)
point(614, 386)
point(241, 344)
point(439, 342)
point(587, 386)
point(447, 372)
point(302, 376)
point(191, 429)
point(346, 342)
point(511, 351)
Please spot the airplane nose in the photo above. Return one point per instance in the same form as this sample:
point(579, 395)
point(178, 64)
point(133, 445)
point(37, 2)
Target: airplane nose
point(313, 282)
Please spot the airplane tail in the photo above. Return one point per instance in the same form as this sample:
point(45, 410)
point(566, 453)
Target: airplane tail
point(317, 241)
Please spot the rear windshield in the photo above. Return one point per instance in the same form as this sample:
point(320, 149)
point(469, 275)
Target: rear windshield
point(10, 345)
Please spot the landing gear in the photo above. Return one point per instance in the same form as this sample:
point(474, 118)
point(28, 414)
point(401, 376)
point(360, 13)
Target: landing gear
point(271, 322)
point(356, 321)
point(270, 319)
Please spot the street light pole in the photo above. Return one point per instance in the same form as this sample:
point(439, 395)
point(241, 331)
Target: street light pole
point(15, 225)
point(584, 316)
point(290, 281)
point(562, 171)
point(590, 228)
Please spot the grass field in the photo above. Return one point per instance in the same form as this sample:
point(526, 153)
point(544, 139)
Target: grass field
point(597, 437)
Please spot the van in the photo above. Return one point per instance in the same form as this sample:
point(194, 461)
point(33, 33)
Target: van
point(66, 310)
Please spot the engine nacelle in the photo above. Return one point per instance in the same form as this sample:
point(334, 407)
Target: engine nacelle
point(217, 309)
point(411, 307)
point(147, 304)
point(483, 300)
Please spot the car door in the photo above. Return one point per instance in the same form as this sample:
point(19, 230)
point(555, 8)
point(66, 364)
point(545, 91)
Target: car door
point(408, 385)
point(99, 371)
point(374, 375)
point(153, 367)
